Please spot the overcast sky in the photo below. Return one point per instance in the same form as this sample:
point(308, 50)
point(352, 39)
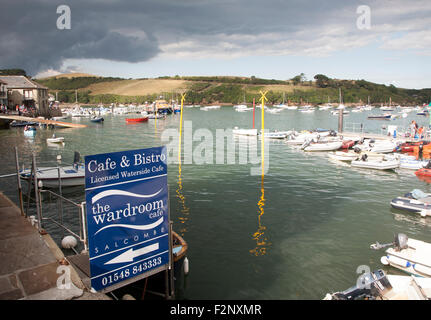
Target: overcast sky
point(268, 38)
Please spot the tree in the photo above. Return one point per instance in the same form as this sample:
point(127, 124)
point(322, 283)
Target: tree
point(322, 81)
point(299, 79)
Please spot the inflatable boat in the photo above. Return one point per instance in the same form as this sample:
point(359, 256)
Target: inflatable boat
point(416, 201)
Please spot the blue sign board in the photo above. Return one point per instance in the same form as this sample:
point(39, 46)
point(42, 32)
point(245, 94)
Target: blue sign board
point(127, 214)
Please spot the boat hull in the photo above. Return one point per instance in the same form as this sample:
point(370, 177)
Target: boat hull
point(376, 165)
point(49, 176)
point(136, 120)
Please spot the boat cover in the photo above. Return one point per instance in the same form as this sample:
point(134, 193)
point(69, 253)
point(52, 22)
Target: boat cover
point(418, 194)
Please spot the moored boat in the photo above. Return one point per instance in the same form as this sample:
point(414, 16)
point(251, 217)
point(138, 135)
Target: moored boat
point(96, 119)
point(244, 132)
point(377, 285)
point(322, 146)
point(409, 255)
point(29, 131)
point(363, 162)
point(136, 120)
point(55, 139)
point(70, 175)
point(415, 201)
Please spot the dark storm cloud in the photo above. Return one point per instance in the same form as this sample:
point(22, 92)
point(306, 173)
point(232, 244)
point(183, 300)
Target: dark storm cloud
point(136, 30)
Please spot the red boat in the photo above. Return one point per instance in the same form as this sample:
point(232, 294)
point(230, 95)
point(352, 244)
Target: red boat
point(423, 172)
point(135, 120)
point(409, 146)
point(347, 144)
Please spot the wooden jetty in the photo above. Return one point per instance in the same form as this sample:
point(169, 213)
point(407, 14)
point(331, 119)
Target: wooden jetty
point(51, 122)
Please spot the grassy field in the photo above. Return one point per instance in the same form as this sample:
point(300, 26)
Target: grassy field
point(138, 87)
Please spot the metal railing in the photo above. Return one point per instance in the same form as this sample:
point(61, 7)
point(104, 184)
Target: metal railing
point(56, 216)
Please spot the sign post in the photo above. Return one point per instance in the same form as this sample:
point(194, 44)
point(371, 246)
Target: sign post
point(127, 216)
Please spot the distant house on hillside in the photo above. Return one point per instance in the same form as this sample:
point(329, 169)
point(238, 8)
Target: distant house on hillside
point(23, 91)
point(3, 93)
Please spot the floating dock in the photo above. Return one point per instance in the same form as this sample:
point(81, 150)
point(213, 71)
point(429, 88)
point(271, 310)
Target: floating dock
point(51, 122)
point(32, 267)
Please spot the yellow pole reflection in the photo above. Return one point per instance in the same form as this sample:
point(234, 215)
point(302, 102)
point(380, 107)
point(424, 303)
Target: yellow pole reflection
point(262, 242)
point(182, 199)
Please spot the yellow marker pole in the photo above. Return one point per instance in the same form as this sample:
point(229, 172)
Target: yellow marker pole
point(183, 97)
point(263, 98)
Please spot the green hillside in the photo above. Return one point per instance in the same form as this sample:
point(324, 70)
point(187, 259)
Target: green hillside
point(231, 90)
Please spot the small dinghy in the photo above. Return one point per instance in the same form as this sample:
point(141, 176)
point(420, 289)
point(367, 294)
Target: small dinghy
point(96, 119)
point(424, 172)
point(273, 135)
point(363, 162)
point(55, 139)
point(322, 146)
point(416, 201)
point(343, 156)
point(29, 131)
point(377, 285)
point(409, 255)
point(136, 120)
point(410, 162)
point(244, 132)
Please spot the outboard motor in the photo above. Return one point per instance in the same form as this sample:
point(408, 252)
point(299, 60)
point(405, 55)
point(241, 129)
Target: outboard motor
point(401, 241)
point(370, 286)
point(357, 150)
point(76, 159)
point(364, 157)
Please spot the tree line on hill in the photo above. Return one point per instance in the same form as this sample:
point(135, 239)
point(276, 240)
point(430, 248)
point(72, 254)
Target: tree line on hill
point(233, 90)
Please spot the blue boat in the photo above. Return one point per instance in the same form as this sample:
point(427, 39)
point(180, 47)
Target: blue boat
point(97, 119)
point(30, 131)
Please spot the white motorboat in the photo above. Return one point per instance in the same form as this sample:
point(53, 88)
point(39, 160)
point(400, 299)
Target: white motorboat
point(207, 108)
point(244, 132)
point(335, 113)
point(322, 146)
point(273, 135)
point(409, 255)
point(73, 175)
point(242, 108)
point(377, 285)
point(375, 164)
point(273, 110)
point(292, 107)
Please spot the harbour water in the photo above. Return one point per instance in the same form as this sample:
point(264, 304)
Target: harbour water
point(302, 230)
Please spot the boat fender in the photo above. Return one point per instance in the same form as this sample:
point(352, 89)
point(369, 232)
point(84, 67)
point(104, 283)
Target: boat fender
point(69, 242)
point(186, 266)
